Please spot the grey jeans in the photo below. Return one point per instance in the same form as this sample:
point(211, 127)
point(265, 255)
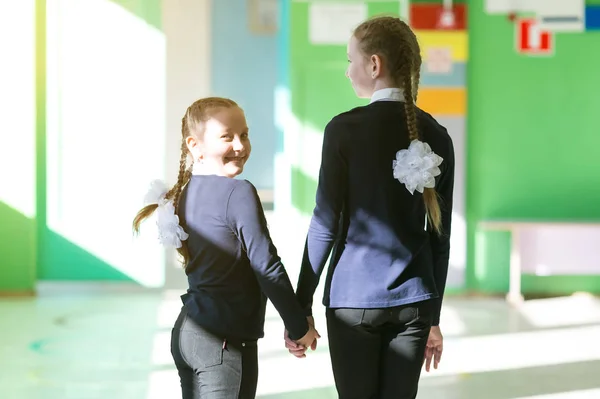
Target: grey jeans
point(211, 366)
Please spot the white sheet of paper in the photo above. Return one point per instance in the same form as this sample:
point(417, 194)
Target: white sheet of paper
point(439, 60)
point(268, 13)
point(333, 23)
point(562, 15)
point(508, 6)
point(554, 15)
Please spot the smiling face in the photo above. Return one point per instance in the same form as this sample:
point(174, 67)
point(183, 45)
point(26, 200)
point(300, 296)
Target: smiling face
point(223, 146)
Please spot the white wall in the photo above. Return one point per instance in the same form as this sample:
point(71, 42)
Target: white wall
point(17, 106)
point(561, 250)
point(105, 98)
point(187, 28)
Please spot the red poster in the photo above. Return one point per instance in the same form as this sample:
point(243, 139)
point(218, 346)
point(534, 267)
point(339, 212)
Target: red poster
point(531, 39)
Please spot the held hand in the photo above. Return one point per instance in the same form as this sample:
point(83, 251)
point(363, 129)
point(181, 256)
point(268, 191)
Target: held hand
point(311, 322)
point(310, 338)
point(434, 348)
point(293, 347)
point(299, 348)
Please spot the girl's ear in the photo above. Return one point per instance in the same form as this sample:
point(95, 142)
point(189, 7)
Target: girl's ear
point(376, 66)
point(195, 148)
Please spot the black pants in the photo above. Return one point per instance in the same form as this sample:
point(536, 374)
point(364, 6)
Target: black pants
point(211, 366)
point(378, 353)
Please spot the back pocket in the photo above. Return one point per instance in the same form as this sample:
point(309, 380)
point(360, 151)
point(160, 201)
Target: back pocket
point(207, 350)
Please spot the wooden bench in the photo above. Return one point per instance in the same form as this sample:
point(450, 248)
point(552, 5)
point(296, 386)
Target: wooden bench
point(515, 228)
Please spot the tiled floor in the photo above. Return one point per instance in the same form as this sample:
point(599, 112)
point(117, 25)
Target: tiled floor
point(86, 342)
point(103, 345)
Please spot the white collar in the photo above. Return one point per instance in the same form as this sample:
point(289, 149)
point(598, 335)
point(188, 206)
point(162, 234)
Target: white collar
point(199, 168)
point(388, 94)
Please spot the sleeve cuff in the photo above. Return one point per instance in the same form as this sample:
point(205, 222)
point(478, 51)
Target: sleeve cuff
point(298, 330)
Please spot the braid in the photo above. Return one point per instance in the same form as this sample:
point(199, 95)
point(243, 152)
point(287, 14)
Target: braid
point(417, 62)
point(183, 177)
point(430, 197)
point(415, 83)
point(397, 44)
point(409, 108)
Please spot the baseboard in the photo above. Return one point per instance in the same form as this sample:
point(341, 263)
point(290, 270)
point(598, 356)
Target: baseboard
point(17, 294)
point(558, 285)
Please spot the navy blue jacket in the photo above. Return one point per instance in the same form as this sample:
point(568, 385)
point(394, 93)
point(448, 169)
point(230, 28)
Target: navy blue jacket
point(233, 265)
point(382, 255)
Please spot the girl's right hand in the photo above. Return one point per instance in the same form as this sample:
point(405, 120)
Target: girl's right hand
point(309, 340)
point(434, 348)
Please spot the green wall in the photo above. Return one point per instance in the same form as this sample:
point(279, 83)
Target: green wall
point(319, 90)
point(18, 253)
point(533, 142)
point(532, 136)
point(532, 146)
point(17, 248)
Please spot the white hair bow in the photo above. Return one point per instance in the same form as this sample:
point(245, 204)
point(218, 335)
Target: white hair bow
point(417, 166)
point(170, 233)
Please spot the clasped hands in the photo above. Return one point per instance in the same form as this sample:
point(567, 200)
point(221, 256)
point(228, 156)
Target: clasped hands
point(433, 349)
point(299, 347)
